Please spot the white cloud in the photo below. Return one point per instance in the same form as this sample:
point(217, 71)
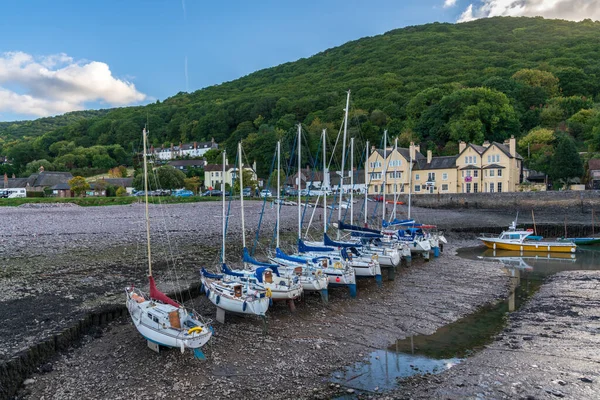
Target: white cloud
point(574, 10)
point(54, 84)
point(449, 3)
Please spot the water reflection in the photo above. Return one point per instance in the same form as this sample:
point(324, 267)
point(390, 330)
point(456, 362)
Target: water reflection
point(449, 345)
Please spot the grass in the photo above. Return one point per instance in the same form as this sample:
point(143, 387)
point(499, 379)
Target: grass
point(105, 201)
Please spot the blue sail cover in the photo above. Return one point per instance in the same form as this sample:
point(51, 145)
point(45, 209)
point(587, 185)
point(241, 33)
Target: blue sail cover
point(280, 254)
point(209, 275)
point(366, 235)
point(395, 222)
point(348, 227)
point(227, 271)
point(328, 242)
point(248, 259)
point(303, 248)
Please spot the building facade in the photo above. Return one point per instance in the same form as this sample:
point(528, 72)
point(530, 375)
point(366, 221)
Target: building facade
point(213, 174)
point(490, 168)
point(195, 149)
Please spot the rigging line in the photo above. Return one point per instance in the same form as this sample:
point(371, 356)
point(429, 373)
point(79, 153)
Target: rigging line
point(229, 202)
point(312, 181)
point(383, 162)
point(287, 173)
point(263, 206)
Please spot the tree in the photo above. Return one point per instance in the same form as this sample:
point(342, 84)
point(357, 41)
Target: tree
point(169, 177)
point(249, 181)
point(536, 78)
point(538, 144)
point(192, 184)
point(79, 185)
point(121, 192)
point(566, 163)
point(34, 166)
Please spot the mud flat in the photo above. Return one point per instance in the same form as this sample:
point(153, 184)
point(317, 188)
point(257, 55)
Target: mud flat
point(296, 358)
point(64, 269)
point(550, 349)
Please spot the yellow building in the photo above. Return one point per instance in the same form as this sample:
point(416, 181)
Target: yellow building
point(213, 174)
point(492, 167)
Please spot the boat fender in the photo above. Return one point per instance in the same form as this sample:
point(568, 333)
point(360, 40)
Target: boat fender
point(218, 299)
point(269, 293)
point(244, 306)
point(375, 257)
point(194, 329)
point(337, 265)
point(208, 293)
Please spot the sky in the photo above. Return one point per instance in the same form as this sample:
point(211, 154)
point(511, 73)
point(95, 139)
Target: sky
point(66, 55)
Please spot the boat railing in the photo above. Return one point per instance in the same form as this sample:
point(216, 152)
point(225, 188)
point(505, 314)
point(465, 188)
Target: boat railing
point(489, 235)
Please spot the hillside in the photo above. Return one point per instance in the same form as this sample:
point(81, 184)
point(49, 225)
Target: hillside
point(436, 84)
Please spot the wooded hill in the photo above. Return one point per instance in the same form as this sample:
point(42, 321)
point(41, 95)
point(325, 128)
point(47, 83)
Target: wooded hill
point(435, 84)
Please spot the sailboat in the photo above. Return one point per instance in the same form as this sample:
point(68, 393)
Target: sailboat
point(278, 286)
point(228, 294)
point(159, 319)
point(337, 271)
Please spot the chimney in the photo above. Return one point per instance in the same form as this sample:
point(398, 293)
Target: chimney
point(5, 180)
point(41, 168)
point(195, 145)
point(411, 150)
point(226, 162)
point(512, 143)
point(461, 146)
point(171, 147)
point(372, 149)
point(486, 144)
point(13, 176)
point(429, 156)
point(212, 141)
point(151, 149)
point(417, 148)
point(254, 166)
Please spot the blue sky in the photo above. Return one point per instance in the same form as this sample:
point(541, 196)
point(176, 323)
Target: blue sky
point(120, 52)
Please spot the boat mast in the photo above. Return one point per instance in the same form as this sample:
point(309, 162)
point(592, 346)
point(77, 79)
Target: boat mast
point(384, 174)
point(278, 190)
point(351, 181)
point(395, 185)
point(145, 133)
point(299, 180)
point(223, 196)
point(410, 151)
point(241, 174)
point(322, 184)
point(366, 179)
point(343, 158)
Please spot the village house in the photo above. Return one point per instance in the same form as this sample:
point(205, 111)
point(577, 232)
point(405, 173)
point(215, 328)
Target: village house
point(187, 150)
point(37, 182)
point(594, 174)
point(185, 165)
point(213, 174)
point(490, 168)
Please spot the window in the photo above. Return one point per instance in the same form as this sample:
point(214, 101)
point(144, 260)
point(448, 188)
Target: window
point(475, 173)
point(376, 176)
point(491, 187)
point(463, 174)
point(444, 187)
point(431, 177)
point(417, 188)
point(486, 172)
point(499, 187)
point(417, 177)
point(475, 187)
point(489, 159)
point(499, 172)
point(474, 159)
point(444, 176)
point(468, 187)
point(491, 172)
point(497, 157)
point(469, 173)
point(466, 160)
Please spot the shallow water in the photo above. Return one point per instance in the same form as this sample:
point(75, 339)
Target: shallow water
point(418, 355)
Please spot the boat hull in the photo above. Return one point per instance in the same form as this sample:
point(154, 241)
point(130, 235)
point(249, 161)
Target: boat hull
point(535, 247)
point(243, 305)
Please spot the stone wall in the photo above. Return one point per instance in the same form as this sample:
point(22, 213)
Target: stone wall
point(584, 200)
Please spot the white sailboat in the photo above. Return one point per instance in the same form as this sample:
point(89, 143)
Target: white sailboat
point(278, 286)
point(335, 269)
point(228, 294)
point(159, 319)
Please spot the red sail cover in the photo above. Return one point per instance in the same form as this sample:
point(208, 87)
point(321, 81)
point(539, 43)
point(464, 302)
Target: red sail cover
point(160, 296)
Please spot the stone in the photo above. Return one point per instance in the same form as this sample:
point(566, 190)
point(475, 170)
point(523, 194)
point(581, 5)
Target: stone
point(586, 380)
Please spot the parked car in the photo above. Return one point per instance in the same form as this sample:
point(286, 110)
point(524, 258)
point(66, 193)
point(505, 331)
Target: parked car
point(291, 192)
point(183, 193)
point(266, 193)
point(213, 193)
point(247, 192)
point(140, 193)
